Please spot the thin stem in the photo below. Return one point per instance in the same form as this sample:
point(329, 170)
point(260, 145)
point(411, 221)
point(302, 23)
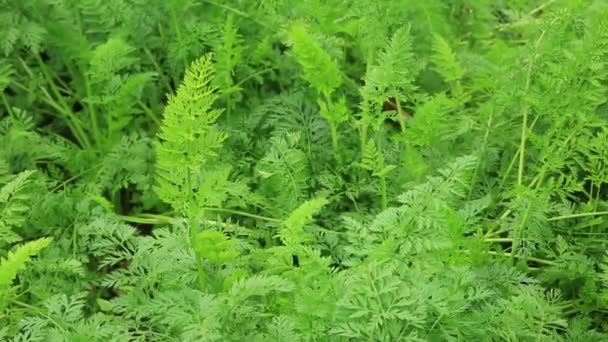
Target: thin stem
point(510, 255)
point(149, 113)
point(20, 86)
point(510, 167)
point(178, 32)
point(141, 220)
point(512, 163)
point(573, 216)
point(163, 219)
point(242, 213)
point(483, 150)
point(402, 114)
point(235, 11)
point(26, 68)
point(498, 240)
point(597, 196)
point(50, 82)
point(526, 19)
point(199, 263)
point(524, 127)
point(241, 82)
point(69, 118)
point(334, 139)
point(541, 7)
point(363, 136)
point(159, 70)
point(524, 222)
point(40, 312)
point(8, 106)
point(384, 193)
point(192, 230)
point(93, 114)
point(489, 234)
point(61, 105)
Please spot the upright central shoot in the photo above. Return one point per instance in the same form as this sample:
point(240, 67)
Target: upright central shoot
point(190, 174)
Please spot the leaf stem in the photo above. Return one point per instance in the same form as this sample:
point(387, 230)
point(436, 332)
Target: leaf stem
point(243, 213)
point(93, 114)
point(235, 11)
point(8, 106)
point(159, 70)
point(522, 226)
point(524, 127)
point(384, 193)
point(572, 216)
point(163, 219)
point(40, 312)
point(498, 240)
point(510, 255)
point(149, 113)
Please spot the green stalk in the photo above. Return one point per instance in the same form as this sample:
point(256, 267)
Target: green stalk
point(68, 117)
point(510, 255)
point(242, 213)
point(159, 70)
point(363, 136)
point(90, 107)
point(93, 115)
point(384, 193)
point(236, 11)
point(524, 221)
point(8, 106)
point(49, 80)
point(333, 127)
point(572, 216)
point(178, 32)
point(247, 78)
point(401, 116)
point(163, 219)
point(483, 150)
point(524, 128)
point(192, 230)
point(514, 159)
point(61, 106)
point(199, 262)
point(40, 312)
point(149, 113)
point(143, 220)
point(334, 139)
point(499, 240)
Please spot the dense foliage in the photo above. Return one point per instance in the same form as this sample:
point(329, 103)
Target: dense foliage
point(337, 170)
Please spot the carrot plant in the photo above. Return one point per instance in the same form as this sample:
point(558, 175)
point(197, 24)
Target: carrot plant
point(333, 170)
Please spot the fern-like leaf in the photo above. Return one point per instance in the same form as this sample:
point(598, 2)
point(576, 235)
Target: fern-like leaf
point(320, 70)
point(13, 206)
point(394, 73)
point(15, 262)
point(189, 140)
point(294, 233)
point(444, 60)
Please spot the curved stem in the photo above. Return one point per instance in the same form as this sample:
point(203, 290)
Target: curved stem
point(40, 312)
point(243, 213)
point(572, 216)
point(163, 219)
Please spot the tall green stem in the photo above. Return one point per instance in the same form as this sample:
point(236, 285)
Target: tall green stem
point(61, 106)
point(384, 192)
point(334, 138)
point(526, 110)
